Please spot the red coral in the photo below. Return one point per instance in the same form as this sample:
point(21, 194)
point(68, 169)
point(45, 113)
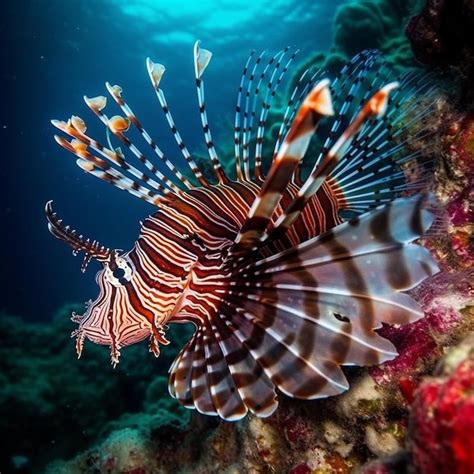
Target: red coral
point(442, 423)
point(407, 386)
point(301, 469)
point(296, 430)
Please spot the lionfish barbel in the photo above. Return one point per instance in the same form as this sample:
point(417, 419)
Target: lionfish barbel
point(284, 274)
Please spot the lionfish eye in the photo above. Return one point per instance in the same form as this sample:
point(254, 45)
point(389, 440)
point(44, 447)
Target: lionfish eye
point(121, 272)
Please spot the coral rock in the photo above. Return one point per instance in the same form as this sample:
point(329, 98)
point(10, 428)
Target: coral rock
point(441, 35)
point(442, 419)
point(444, 299)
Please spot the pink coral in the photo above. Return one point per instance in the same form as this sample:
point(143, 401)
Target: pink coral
point(419, 344)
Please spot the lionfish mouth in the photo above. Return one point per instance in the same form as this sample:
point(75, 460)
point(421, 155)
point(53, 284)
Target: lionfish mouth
point(102, 310)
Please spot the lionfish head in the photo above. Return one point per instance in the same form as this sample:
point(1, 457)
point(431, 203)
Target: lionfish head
point(122, 299)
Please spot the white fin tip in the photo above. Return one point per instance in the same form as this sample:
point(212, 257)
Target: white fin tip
point(202, 58)
point(60, 124)
point(378, 103)
point(116, 90)
point(118, 124)
point(155, 71)
point(96, 103)
point(78, 124)
point(319, 99)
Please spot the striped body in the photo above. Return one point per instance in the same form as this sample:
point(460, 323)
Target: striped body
point(185, 245)
point(281, 287)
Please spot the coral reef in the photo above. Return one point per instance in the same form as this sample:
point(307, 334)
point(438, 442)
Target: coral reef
point(455, 183)
point(378, 24)
point(368, 24)
point(446, 299)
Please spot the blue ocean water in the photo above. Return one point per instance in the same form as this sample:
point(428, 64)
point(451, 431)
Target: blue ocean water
point(52, 53)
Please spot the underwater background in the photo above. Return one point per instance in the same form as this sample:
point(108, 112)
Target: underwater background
point(53, 407)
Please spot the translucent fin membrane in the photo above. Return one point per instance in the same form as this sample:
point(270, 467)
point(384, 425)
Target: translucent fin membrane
point(291, 320)
point(366, 158)
point(382, 159)
point(385, 160)
point(374, 107)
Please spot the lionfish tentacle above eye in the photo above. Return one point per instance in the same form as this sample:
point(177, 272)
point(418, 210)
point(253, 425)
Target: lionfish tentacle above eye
point(286, 275)
point(91, 249)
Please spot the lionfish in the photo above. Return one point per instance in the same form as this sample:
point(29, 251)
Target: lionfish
point(286, 274)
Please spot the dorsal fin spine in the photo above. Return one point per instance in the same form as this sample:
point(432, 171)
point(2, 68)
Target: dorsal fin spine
point(156, 72)
point(200, 65)
point(117, 96)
